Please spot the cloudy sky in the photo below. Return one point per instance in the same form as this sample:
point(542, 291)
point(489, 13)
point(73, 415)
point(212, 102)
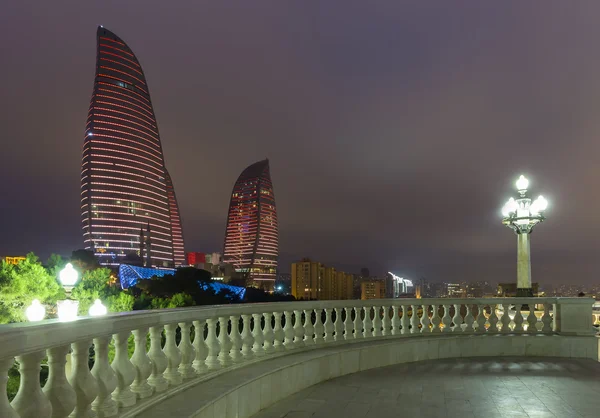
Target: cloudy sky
point(395, 129)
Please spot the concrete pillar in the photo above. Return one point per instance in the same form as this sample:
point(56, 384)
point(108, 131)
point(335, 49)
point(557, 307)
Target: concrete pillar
point(524, 288)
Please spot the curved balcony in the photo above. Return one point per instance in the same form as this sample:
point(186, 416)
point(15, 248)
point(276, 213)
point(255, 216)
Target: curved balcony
point(235, 360)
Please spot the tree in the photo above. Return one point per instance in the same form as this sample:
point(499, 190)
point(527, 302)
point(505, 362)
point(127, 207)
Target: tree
point(96, 284)
point(84, 260)
point(20, 284)
point(55, 264)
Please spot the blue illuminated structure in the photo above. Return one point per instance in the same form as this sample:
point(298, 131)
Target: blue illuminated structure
point(129, 276)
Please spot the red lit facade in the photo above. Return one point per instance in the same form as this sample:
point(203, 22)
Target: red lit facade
point(251, 236)
point(194, 258)
point(125, 186)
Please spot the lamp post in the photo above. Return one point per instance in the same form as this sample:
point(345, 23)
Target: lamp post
point(67, 309)
point(521, 215)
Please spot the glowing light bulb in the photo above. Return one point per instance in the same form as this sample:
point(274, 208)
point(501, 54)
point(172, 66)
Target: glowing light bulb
point(35, 311)
point(67, 310)
point(97, 309)
point(522, 183)
point(542, 203)
point(68, 276)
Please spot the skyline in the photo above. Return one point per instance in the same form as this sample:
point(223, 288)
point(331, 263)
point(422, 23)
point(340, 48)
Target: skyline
point(393, 143)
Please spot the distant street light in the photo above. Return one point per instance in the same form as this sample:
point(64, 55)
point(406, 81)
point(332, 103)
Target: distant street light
point(521, 215)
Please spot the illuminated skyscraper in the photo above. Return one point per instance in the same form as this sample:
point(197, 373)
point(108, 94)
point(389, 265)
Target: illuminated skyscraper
point(176, 229)
point(251, 236)
point(124, 183)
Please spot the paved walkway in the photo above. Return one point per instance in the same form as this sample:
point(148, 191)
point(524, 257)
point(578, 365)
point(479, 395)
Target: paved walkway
point(505, 387)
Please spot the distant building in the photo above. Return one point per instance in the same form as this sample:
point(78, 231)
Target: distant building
point(510, 289)
point(212, 263)
point(313, 280)
point(251, 235)
point(372, 289)
point(307, 278)
point(396, 286)
point(454, 290)
point(14, 260)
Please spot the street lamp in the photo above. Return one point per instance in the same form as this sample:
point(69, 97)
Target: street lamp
point(521, 215)
point(35, 312)
point(67, 309)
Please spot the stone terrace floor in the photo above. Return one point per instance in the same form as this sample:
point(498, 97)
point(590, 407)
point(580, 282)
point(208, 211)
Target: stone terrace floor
point(477, 387)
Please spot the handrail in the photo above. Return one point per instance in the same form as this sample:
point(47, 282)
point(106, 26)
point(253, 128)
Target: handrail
point(247, 331)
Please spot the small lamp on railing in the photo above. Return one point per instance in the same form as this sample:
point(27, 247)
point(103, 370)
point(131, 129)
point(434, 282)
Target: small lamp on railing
point(98, 309)
point(67, 309)
point(35, 311)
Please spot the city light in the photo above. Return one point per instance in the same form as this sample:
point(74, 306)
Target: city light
point(35, 311)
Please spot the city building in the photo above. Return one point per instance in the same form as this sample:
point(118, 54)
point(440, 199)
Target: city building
point(251, 235)
point(455, 290)
point(14, 260)
point(197, 259)
point(372, 289)
point(128, 203)
point(313, 280)
point(212, 262)
point(396, 286)
point(307, 278)
point(510, 289)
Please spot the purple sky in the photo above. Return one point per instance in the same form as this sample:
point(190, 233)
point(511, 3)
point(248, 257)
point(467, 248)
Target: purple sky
point(395, 130)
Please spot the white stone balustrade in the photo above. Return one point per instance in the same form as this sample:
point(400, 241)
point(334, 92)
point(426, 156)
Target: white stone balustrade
point(246, 333)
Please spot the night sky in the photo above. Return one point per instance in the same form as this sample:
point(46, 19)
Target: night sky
point(395, 131)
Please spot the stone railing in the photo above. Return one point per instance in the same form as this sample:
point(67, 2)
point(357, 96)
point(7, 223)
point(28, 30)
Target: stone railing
point(178, 345)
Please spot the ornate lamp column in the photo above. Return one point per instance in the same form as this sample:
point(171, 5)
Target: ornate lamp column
point(521, 215)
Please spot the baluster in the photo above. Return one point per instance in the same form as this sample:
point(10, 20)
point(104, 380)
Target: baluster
point(348, 325)
point(435, 318)
point(377, 321)
point(469, 319)
point(546, 319)
point(188, 354)
point(158, 359)
point(106, 379)
point(57, 389)
point(518, 320)
point(395, 320)
point(236, 339)
point(247, 339)
point(532, 320)
point(328, 326)
point(309, 329)
point(6, 410)
point(480, 318)
point(414, 320)
point(405, 320)
point(257, 333)
point(199, 363)
point(124, 370)
point(367, 323)
point(319, 329)
point(268, 334)
point(173, 356)
point(224, 342)
point(278, 331)
point(358, 329)
point(298, 329)
point(142, 364)
point(30, 401)
point(505, 318)
point(447, 319)
point(338, 326)
point(386, 321)
point(288, 331)
point(493, 319)
point(80, 379)
point(425, 321)
point(457, 319)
